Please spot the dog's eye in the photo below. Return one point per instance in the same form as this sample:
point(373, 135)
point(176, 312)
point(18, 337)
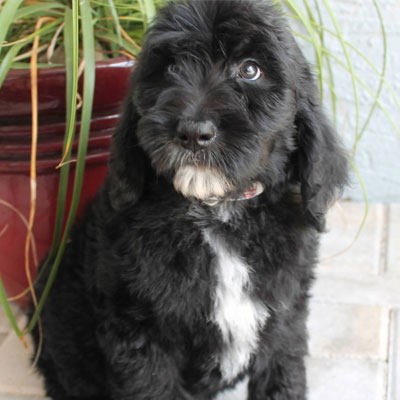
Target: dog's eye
point(249, 71)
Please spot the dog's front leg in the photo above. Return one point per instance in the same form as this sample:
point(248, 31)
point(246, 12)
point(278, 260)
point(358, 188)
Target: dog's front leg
point(141, 370)
point(281, 377)
point(278, 370)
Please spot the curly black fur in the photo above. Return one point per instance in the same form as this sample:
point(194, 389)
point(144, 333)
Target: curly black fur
point(132, 314)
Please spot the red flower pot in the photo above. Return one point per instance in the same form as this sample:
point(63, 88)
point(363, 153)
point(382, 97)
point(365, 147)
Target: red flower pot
point(112, 79)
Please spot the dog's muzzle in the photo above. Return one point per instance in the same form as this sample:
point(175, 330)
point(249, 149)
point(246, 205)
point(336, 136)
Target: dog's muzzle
point(210, 186)
point(201, 182)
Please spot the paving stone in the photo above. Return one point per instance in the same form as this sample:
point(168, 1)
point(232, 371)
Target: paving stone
point(394, 358)
point(341, 379)
point(2, 337)
point(348, 331)
point(357, 289)
point(343, 222)
point(16, 375)
point(4, 323)
point(13, 397)
point(393, 252)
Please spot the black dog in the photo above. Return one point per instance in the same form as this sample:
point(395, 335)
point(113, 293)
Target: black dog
point(191, 270)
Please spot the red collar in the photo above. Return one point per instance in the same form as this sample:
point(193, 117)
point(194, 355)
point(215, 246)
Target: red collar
point(254, 190)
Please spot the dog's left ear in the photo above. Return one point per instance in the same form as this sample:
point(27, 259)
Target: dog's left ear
point(129, 166)
point(321, 165)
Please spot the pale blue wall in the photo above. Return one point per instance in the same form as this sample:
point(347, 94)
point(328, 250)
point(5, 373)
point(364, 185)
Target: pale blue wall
point(378, 155)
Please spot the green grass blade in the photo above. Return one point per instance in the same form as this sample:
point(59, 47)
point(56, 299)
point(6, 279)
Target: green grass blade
point(72, 21)
point(150, 10)
point(88, 93)
point(115, 18)
point(328, 64)
point(320, 19)
point(7, 61)
point(365, 215)
point(128, 5)
point(7, 309)
point(71, 83)
point(334, 98)
point(24, 65)
point(109, 36)
point(71, 65)
point(366, 203)
point(7, 16)
point(292, 5)
point(349, 64)
point(382, 75)
point(29, 11)
point(317, 50)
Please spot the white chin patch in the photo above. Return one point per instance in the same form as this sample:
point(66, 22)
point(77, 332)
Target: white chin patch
point(201, 182)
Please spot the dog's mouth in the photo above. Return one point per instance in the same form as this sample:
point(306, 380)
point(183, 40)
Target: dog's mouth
point(201, 175)
point(201, 182)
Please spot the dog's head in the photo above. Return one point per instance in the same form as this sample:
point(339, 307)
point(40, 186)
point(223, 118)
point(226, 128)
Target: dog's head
point(222, 97)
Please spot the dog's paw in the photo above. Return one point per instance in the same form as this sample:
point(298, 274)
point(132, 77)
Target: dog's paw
point(278, 395)
point(284, 396)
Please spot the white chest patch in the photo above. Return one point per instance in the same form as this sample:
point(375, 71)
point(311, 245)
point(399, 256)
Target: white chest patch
point(237, 315)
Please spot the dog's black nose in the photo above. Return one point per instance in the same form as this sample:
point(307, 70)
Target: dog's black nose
point(195, 135)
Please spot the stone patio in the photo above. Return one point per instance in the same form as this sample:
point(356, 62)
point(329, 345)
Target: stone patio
point(354, 322)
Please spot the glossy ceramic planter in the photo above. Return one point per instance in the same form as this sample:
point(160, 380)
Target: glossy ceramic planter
point(112, 79)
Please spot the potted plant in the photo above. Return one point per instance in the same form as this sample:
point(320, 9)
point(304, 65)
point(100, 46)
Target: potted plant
point(72, 36)
point(64, 67)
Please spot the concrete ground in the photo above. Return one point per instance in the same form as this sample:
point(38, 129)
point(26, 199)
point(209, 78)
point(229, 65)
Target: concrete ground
point(354, 322)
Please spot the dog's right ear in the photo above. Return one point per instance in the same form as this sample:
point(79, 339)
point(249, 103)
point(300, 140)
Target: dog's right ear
point(128, 164)
point(321, 160)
